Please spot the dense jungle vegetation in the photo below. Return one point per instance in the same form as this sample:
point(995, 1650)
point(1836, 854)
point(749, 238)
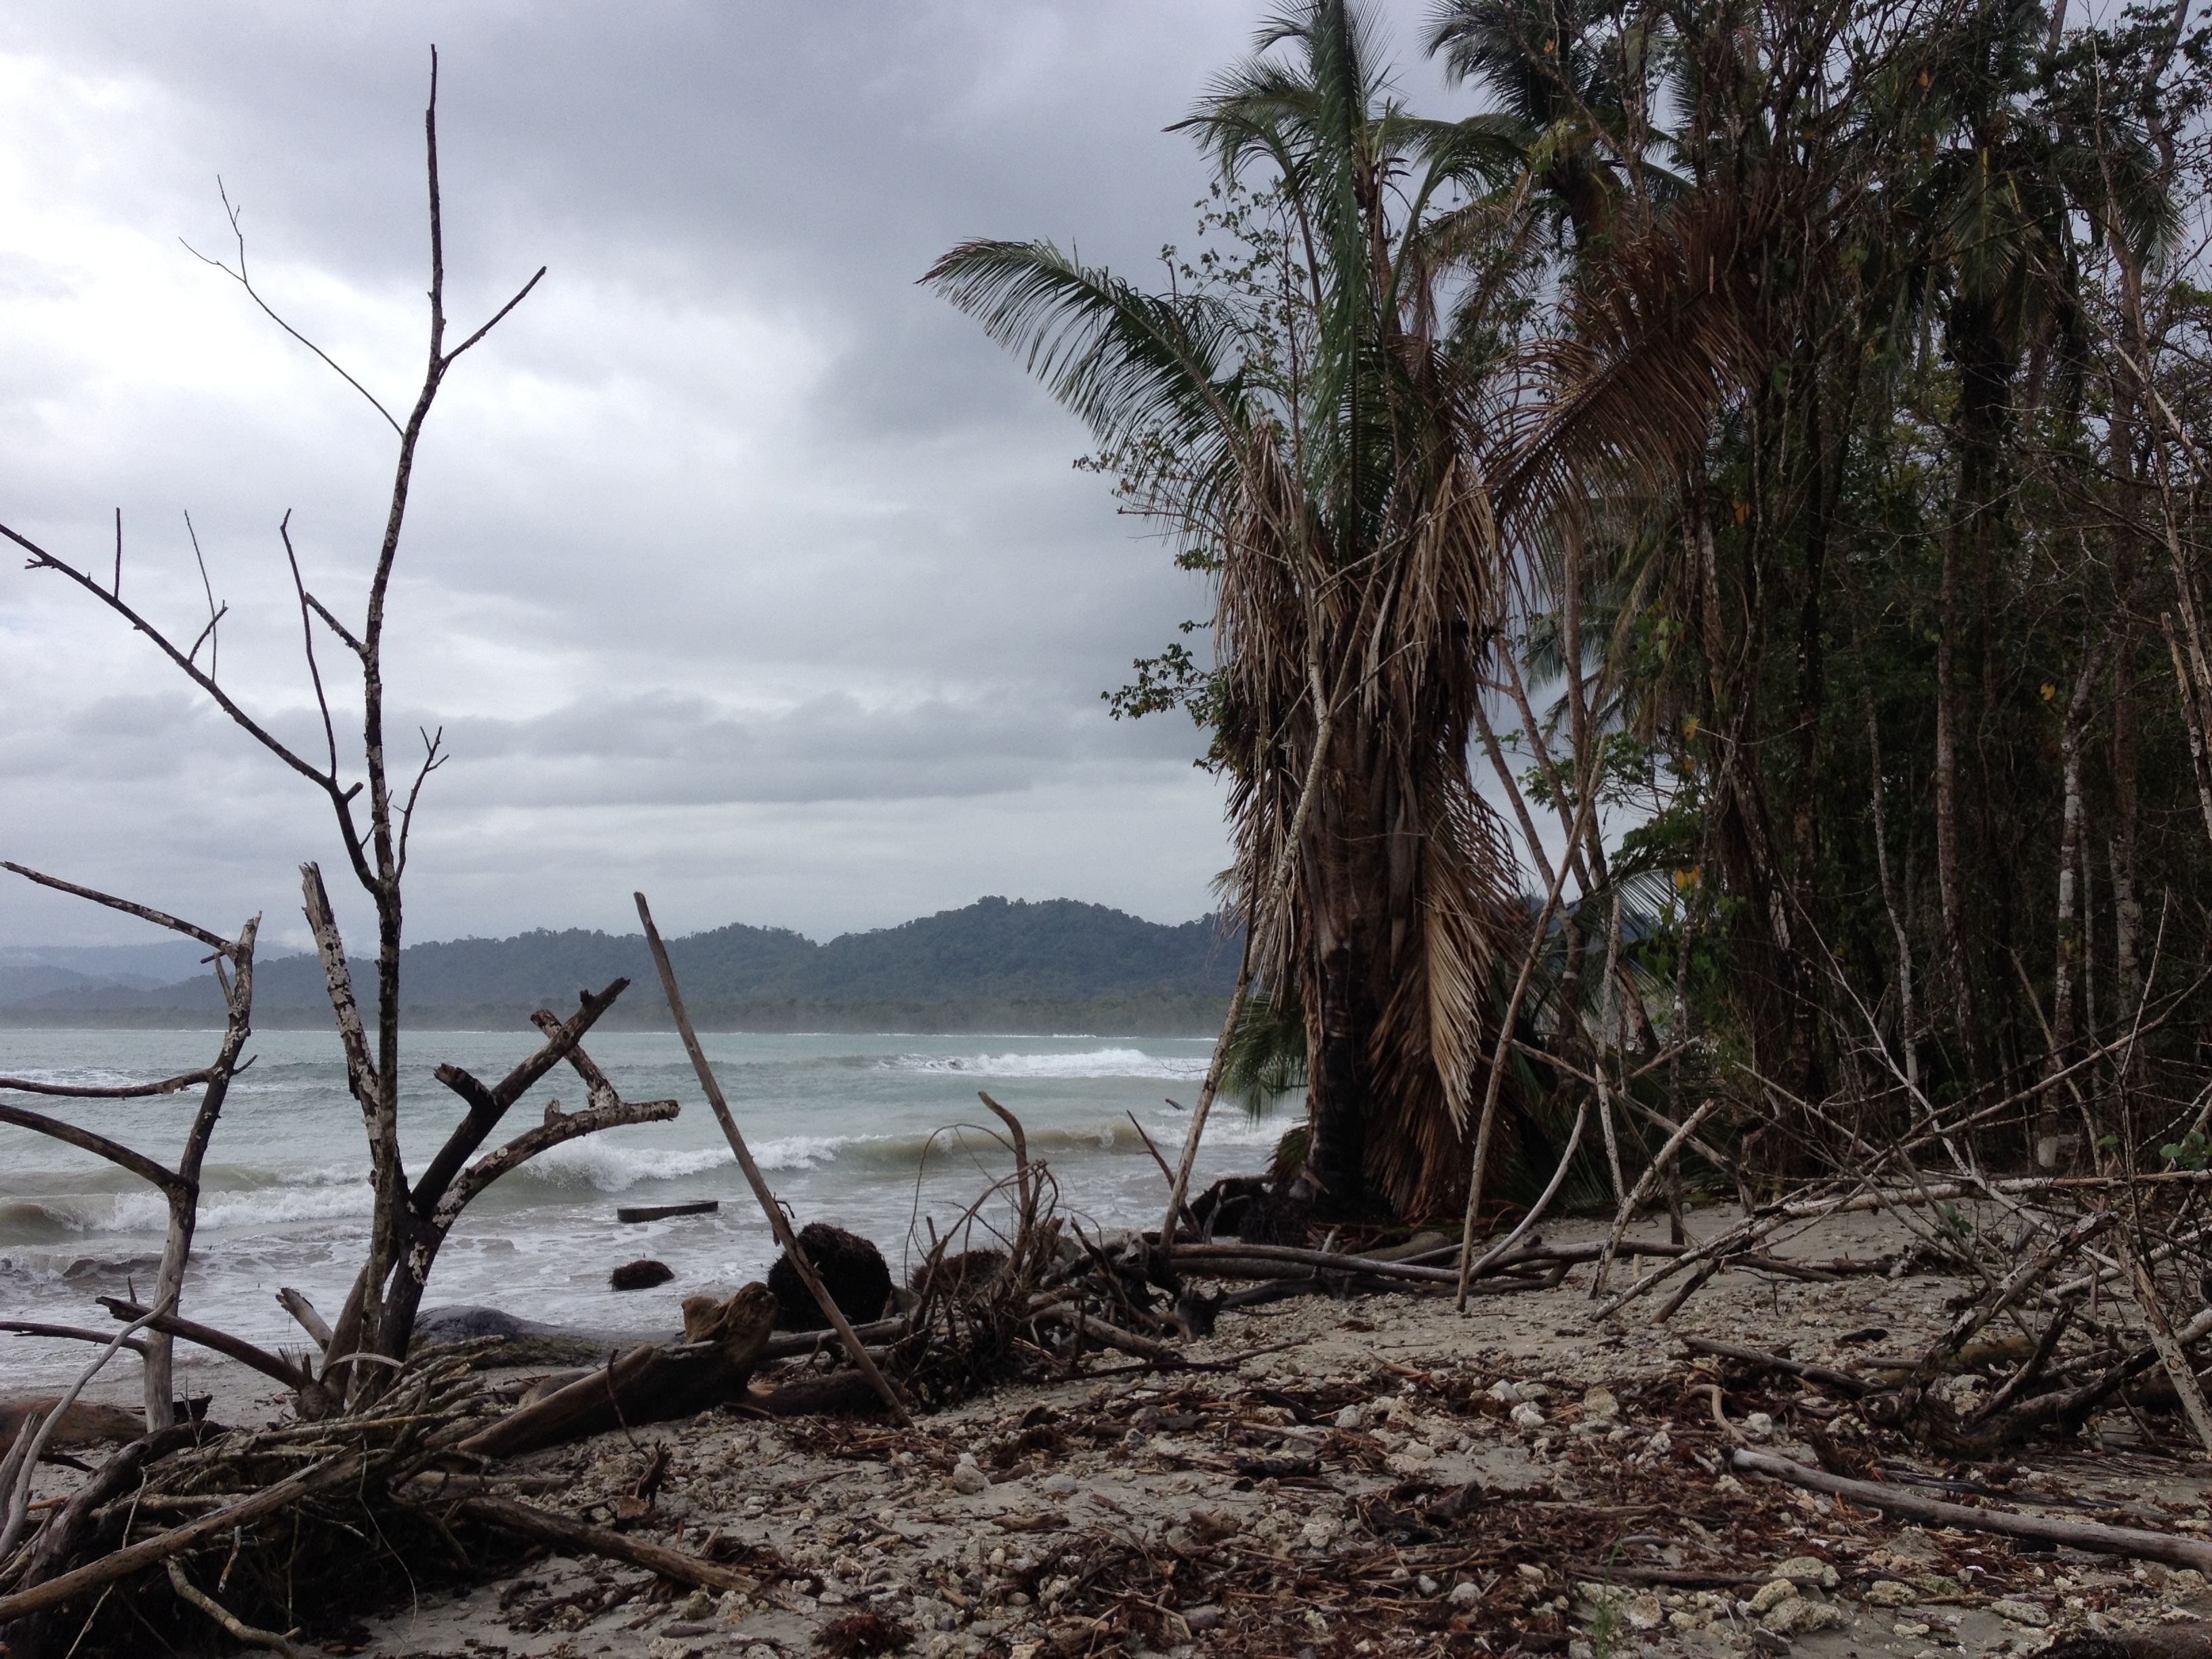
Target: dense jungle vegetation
point(1706, 549)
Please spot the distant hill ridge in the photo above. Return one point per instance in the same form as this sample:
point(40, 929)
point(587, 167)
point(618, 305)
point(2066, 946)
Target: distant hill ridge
point(991, 957)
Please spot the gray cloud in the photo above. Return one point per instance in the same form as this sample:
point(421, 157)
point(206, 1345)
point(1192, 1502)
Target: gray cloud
point(737, 562)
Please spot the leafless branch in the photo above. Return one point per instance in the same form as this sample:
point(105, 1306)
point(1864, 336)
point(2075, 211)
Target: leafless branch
point(167, 1085)
point(215, 614)
point(206, 1336)
point(432, 760)
point(42, 560)
point(307, 634)
point(489, 1104)
point(68, 1333)
point(498, 316)
point(144, 912)
point(601, 1092)
point(245, 281)
point(558, 1126)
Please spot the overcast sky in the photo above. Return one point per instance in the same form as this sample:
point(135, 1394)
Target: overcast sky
point(739, 569)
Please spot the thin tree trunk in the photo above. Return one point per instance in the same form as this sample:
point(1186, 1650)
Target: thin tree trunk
point(1907, 1037)
point(1949, 885)
point(2069, 949)
point(1608, 1014)
point(2192, 715)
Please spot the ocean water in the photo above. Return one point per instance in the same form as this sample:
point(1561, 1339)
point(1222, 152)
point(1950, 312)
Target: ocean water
point(864, 1132)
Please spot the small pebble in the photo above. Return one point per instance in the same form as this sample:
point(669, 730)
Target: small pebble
point(1351, 1418)
point(968, 1479)
point(1062, 1485)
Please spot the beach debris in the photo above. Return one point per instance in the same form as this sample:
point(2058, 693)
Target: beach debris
point(859, 1634)
point(639, 1275)
point(652, 1383)
point(82, 1425)
point(852, 1268)
point(968, 1272)
point(633, 1213)
point(2093, 1536)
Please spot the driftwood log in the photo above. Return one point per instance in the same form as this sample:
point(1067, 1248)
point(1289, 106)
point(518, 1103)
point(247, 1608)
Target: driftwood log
point(83, 1425)
point(2089, 1535)
point(650, 1384)
point(674, 1565)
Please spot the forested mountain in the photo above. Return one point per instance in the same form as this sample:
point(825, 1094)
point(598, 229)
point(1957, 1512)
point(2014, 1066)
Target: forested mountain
point(994, 956)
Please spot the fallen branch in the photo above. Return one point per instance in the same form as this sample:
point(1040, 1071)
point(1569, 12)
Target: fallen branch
point(58, 1538)
point(1109, 1336)
point(1634, 1201)
point(505, 1512)
point(779, 1222)
point(206, 1336)
point(2007, 1523)
point(69, 1333)
point(18, 1501)
point(649, 1384)
point(223, 1616)
point(1842, 1382)
point(167, 1085)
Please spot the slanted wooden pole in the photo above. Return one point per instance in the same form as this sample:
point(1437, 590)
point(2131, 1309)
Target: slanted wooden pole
point(776, 1218)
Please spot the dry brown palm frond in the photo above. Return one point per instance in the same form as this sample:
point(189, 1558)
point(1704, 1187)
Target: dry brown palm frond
point(1431, 1042)
point(1667, 327)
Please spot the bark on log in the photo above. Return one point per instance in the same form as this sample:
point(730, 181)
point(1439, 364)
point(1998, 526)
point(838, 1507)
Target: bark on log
point(837, 1393)
point(649, 1384)
point(598, 1540)
point(83, 1424)
point(2007, 1523)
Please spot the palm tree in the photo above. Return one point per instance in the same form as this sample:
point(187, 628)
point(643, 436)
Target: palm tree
point(1342, 441)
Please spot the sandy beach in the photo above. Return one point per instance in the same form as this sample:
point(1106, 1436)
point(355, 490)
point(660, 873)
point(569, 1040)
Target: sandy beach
point(1377, 1476)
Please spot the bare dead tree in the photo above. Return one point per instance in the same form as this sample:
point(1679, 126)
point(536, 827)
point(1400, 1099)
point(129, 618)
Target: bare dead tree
point(374, 815)
point(180, 1186)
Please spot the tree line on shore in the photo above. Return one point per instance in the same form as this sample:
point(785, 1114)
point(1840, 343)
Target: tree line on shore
point(1703, 551)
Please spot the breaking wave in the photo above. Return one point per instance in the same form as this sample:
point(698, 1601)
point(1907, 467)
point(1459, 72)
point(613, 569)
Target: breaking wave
point(1085, 1063)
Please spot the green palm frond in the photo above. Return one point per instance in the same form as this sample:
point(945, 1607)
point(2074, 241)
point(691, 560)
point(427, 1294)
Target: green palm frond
point(1267, 1059)
point(1125, 360)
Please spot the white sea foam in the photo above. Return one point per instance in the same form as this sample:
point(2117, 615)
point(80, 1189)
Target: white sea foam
point(611, 1169)
point(149, 1212)
point(146, 1212)
point(842, 1125)
point(1083, 1063)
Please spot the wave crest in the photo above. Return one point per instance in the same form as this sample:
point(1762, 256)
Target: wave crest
point(1083, 1063)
